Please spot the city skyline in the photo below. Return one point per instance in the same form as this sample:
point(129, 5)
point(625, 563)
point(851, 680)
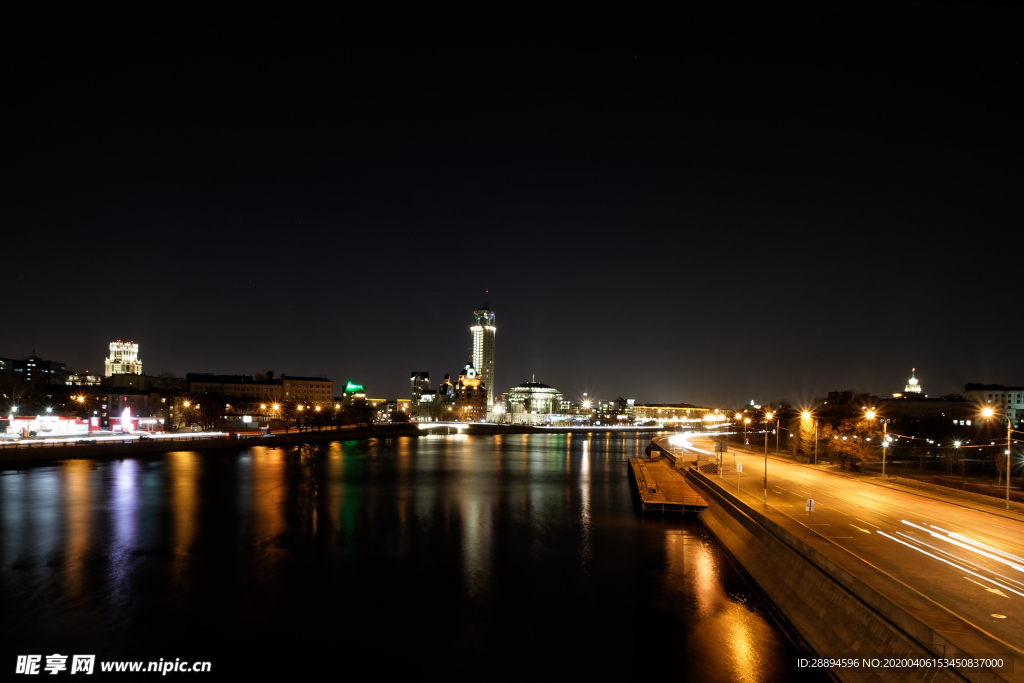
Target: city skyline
point(934, 386)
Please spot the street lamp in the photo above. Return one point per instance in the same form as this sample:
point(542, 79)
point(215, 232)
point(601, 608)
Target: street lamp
point(778, 432)
point(988, 412)
point(767, 417)
point(870, 414)
point(807, 416)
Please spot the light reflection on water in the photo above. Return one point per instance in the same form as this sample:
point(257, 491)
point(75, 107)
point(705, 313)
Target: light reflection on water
point(477, 547)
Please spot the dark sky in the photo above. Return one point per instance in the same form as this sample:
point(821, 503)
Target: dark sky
point(747, 202)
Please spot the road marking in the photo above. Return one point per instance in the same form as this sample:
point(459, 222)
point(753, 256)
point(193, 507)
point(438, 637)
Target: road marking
point(874, 511)
point(868, 523)
point(990, 590)
point(860, 529)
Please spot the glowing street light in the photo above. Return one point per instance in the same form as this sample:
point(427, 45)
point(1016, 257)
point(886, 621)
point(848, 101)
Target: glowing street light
point(870, 414)
point(807, 416)
point(988, 412)
point(767, 416)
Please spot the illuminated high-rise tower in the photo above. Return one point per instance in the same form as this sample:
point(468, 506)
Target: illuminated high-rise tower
point(483, 350)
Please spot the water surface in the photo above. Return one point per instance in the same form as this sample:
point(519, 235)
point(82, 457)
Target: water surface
point(497, 557)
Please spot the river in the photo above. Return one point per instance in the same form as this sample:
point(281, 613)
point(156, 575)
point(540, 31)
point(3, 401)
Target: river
point(467, 557)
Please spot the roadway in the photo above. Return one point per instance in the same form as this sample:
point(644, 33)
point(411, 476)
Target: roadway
point(970, 562)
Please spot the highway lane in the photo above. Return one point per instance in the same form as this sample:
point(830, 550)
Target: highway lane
point(970, 562)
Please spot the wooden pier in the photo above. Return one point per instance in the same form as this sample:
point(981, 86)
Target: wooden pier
point(662, 488)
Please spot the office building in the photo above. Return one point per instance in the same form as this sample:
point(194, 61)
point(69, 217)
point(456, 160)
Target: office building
point(34, 369)
point(353, 393)
point(420, 382)
point(483, 350)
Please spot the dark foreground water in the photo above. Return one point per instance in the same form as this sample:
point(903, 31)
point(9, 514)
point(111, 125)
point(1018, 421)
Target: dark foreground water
point(482, 557)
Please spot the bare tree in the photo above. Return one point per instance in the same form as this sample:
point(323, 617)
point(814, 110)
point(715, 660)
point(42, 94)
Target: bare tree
point(949, 457)
point(1000, 459)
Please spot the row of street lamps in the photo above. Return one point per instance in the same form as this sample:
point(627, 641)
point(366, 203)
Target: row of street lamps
point(869, 414)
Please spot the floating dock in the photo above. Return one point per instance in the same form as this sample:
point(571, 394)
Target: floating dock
point(662, 488)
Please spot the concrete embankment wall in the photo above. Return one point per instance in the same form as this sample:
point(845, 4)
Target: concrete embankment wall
point(838, 604)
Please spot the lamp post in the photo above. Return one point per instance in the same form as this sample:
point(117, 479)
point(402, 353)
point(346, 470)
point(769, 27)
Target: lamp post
point(988, 412)
point(778, 431)
point(885, 437)
point(767, 418)
point(807, 416)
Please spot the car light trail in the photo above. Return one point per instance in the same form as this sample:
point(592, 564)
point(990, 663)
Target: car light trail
point(960, 559)
point(965, 546)
point(951, 564)
point(967, 539)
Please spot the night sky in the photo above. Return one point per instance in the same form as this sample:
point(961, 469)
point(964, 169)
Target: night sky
point(746, 203)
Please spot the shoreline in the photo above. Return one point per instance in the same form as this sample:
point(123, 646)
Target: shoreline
point(13, 457)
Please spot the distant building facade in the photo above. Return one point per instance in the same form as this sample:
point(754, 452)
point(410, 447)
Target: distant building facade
point(34, 369)
point(532, 402)
point(470, 396)
point(123, 359)
point(670, 413)
point(914, 409)
point(420, 382)
point(1003, 400)
point(315, 391)
point(236, 387)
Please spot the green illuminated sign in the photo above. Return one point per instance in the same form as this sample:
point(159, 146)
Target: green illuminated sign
point(353, 388)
